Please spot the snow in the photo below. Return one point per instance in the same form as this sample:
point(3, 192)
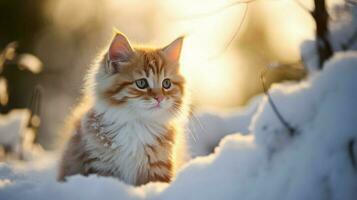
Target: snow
point(343, 27)
point(12, 126)
point(16, 137)
point(30, 62)
point(243, 154)
point(261, 161)
point(342, 35)
point(207, 128)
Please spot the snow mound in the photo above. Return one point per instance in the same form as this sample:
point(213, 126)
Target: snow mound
point(206, 129)
point(317, 162)
point(331, 93)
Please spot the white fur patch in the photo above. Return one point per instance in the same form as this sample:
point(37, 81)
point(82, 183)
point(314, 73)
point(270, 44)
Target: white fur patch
point(131, 135)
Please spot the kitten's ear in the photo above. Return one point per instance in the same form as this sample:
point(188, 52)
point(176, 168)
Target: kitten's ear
point(120, 49)
point(173, 50)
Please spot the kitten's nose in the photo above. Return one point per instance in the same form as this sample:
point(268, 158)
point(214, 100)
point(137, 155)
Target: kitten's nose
point(159, 98)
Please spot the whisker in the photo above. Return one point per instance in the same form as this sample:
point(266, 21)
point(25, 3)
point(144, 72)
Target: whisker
point(191, 133)
point(196, 120)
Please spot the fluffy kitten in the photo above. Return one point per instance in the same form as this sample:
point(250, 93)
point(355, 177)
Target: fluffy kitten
point(128, 126)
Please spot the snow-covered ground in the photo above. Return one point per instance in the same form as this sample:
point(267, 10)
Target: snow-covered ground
point(256, 157)
point(265, 162)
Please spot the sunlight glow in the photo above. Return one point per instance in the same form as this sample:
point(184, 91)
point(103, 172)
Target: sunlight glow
point(285, 34)
point(209, 66)
point(214, 69)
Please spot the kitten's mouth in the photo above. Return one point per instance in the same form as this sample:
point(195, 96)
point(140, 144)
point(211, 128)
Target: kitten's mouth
point(156, 106)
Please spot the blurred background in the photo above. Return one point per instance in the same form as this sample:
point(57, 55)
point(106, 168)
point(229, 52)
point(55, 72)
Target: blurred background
point(227, 46)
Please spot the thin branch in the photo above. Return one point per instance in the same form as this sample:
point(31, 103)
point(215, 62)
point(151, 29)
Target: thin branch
point(323, 45)
point(220, 9)
point(35, 109)
point(273, 106)
point(302, 6)
point(215, 11)
point(279, 65)
point(35, 104)
point(234, 36)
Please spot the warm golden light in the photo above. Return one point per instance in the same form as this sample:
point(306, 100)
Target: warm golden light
point(208, 62)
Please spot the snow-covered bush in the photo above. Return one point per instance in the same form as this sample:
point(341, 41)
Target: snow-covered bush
point(12, 127)
point(342, 34)
point(15, 135)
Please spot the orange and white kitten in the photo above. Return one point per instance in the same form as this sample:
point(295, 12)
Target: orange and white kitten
point(128, 125)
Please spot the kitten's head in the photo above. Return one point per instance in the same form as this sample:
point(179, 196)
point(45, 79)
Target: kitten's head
point(146, 82)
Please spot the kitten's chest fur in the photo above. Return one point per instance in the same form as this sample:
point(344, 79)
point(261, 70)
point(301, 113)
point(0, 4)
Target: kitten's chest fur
point(136, 151)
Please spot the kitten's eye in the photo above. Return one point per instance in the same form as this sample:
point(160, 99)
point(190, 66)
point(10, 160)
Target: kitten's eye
point(166, 83)
point(142, 83)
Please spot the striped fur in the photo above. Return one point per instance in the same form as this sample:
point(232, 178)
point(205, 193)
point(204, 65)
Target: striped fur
point(121, 133)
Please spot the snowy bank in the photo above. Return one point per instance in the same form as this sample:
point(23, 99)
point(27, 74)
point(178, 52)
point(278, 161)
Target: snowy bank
point(317, 162)
point(206, 129)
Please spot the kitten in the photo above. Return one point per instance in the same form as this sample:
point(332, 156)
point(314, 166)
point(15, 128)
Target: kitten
point(128, 125)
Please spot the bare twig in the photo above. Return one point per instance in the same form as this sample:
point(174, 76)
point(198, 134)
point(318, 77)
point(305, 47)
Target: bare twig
point(215, 11)
point(323, 45)
point(302, 6)
point(220, 9)
point(35, 108)
point(235, 34)
point(273, 106)
point(281, 65)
